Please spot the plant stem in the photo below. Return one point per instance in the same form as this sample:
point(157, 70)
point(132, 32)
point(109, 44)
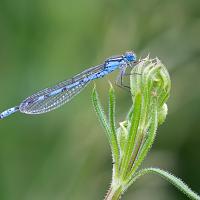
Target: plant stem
point(114, 193)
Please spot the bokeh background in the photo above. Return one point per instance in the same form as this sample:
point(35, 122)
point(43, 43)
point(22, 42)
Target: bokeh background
point(64, 154)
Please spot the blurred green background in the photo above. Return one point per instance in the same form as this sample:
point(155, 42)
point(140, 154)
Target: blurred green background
point(64, 154)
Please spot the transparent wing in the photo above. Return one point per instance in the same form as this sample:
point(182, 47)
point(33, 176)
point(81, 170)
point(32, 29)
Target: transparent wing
point(49, 99)
point(31, 106)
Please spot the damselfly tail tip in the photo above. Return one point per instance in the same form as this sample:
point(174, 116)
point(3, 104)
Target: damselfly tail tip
point(2, 115)
point(8, 112)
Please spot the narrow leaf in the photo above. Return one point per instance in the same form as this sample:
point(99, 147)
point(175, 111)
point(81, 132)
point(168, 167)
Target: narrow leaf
point(100, 113)
point(149, 141)
point(132, 134)
point(114, 143)
point(178, 183)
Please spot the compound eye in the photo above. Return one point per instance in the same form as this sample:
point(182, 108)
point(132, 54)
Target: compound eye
point(130, 56)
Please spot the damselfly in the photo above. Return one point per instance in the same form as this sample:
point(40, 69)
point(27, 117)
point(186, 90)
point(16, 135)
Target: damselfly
point(51, 98)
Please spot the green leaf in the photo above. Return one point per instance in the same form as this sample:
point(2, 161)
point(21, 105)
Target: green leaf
point(178, 183)
point(132, 134)
point(108, 126)
point(149, 140)
point(114, 142)
point(100, 113)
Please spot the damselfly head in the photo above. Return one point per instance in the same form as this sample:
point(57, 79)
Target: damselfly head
point(130, 56)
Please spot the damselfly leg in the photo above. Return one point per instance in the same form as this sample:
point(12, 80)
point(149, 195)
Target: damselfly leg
point(120, 78)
